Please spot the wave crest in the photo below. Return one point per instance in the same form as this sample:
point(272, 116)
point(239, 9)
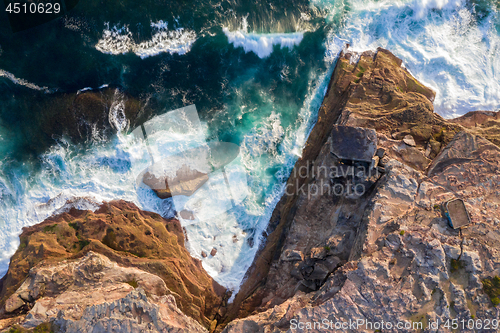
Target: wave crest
point(119, 40)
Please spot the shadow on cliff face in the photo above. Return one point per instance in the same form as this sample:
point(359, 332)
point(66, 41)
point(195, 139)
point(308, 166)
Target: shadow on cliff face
point(37, 119)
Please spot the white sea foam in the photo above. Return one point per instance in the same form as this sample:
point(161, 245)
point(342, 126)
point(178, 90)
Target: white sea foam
point(23, 82)
point(119, 40)
point(117, 117)
point(90, 88)
point(441, 43)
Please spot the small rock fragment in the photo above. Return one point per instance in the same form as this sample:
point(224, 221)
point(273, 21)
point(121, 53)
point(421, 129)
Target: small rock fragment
point(187, 215)
point(408, 139)
point(203, 254)
point(213, 252)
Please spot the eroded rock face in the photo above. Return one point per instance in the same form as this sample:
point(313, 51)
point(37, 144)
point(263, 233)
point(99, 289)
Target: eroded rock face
point(73, 285)
point(406, 274)
point(133, 313)
point(94, 294)
point(397, 257)
point(350, 240)
point(138, 247)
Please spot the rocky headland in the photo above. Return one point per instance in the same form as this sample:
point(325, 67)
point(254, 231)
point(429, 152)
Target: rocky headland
point(359, 235)
point(82, 268)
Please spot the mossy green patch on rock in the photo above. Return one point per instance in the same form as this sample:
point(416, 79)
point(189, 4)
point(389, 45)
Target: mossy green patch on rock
point(491, 287)
point(50, 228)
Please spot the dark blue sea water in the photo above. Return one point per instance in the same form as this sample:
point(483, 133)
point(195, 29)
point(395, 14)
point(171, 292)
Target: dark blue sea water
point(256, 72)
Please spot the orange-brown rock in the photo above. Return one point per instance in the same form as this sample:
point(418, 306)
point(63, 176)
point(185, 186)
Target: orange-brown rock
point(129, 237)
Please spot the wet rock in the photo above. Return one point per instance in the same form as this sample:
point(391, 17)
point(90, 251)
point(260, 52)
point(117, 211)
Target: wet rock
point(213, 252)
point(203, 254)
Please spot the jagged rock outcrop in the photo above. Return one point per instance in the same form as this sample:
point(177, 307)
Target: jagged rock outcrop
point(79, 116)
point(93, 294)
point(132, 245)
point(396, 258)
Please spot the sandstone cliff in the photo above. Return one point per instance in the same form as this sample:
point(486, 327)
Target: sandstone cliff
point(386, 253)
point(81, 258)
